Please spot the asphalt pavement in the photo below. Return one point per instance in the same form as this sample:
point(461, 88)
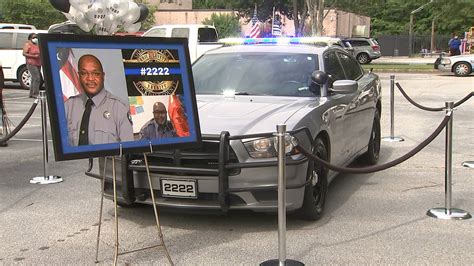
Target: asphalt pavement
point(377, 218)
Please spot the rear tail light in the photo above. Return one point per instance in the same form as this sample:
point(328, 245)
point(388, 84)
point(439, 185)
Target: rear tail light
point(376, 47)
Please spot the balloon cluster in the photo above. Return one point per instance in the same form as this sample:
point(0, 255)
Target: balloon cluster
point(104, 16)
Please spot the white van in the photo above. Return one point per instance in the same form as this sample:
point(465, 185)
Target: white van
point(11, 26)
point(11, 53)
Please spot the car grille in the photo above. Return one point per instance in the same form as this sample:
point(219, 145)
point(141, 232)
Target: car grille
point(205, 157)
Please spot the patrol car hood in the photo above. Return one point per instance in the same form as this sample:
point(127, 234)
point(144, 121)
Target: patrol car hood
point(241, 115)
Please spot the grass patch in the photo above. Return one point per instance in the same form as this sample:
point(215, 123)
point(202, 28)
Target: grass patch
point(400, 67)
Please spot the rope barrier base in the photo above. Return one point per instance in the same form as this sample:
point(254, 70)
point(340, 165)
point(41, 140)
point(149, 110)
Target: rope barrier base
point(448, 214)
point(52, 179)
point(393, 139)
point(468, 164)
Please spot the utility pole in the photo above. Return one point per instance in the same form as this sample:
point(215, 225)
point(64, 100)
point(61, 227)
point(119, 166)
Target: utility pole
point(410, 32)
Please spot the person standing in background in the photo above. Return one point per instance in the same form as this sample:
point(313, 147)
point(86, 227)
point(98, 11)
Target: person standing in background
point(33, 63)
point(454, 46)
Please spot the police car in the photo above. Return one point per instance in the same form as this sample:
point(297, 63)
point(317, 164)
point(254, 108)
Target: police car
point(328, 102)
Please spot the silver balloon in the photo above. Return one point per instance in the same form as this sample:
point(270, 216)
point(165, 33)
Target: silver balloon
point(111, 23)
point(132, 15)
point(117, 7)
point(80, 19)
point(80, 5)
point(100, 29)
point(96, 12)
point(131, 28)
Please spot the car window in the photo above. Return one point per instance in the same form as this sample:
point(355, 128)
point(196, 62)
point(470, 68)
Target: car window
point(357, 43)
point(207, 35)
point(256, 73)
point(180, 32)
point(6, 40)
point(157, 33)
point(333, 67)
point(21, 39)
point(350, 66)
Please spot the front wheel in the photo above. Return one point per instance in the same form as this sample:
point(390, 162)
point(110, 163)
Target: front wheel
point(462, 69)
point(373, 152)
point(315, 193)
point(24, 78)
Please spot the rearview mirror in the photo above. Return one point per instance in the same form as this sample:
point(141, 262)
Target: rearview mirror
point(319, 77)
point(344, 86)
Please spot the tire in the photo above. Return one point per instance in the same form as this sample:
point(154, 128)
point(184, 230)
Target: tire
point(24, 78)
point(363, 58)
point(315, 194)
point(462, 69)
point(373, 152)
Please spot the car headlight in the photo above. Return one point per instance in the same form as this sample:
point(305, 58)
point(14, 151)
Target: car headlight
point(445, 61)
point(267, 147)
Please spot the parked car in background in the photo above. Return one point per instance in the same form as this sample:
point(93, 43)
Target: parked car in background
point(322, 94)
point(460, 65)
point(365, 49)
point(201, 38)
point(11, 53)
point(67, 27)
point(12, 26)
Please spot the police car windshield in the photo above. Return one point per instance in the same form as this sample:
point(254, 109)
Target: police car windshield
point(252, 73)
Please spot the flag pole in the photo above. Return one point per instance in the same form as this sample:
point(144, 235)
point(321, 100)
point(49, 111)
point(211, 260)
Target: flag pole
point(273, 19)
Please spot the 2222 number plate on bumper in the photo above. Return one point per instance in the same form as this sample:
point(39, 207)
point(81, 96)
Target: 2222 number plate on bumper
point(179, 188)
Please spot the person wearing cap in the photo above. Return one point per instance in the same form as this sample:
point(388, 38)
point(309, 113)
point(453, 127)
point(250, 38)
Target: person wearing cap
point(159, 126)
point(96, 116)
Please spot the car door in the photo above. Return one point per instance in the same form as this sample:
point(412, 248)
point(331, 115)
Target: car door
point(339, 117)
point(361, 109)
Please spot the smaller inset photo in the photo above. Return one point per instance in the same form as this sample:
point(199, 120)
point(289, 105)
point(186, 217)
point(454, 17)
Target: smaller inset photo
point(158, 117)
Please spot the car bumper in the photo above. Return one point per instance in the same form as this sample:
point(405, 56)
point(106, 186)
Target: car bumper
point(233, 185)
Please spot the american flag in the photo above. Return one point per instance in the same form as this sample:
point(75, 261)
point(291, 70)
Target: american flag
point(70, 83)
point(276, 26)
point(255, 30)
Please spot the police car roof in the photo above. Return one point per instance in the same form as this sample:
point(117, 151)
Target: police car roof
point(271, 48)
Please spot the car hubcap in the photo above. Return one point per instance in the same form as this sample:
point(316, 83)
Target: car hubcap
point(26, 78)
point(461, 69)
point(314, 178)
point(363, 58)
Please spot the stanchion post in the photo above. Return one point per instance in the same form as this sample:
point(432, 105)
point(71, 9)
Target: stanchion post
point(447, 212)
point(282, 260)
point(46, 178)
point(392, 137)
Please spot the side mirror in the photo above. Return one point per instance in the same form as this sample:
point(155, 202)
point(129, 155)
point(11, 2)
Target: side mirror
point(344, 86)
point(319, 77)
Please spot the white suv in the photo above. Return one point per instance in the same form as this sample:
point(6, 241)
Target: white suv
point(11, 53)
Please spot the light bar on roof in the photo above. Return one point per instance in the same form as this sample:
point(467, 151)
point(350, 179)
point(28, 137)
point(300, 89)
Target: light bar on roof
point(323, 41)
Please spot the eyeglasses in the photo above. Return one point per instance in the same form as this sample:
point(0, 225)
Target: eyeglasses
point(94, 74)
point(159, 112)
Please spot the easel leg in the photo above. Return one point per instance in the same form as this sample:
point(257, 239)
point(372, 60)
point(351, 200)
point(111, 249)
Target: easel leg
point(114, 177)
point(100, 212)
point(158, 226)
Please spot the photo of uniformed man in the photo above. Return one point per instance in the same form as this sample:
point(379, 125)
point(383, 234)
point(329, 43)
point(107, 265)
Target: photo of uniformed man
point(158, 127)
point(96, 116)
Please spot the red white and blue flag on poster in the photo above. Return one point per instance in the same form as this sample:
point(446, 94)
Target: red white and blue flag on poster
point(70, 83)
point(255, 30)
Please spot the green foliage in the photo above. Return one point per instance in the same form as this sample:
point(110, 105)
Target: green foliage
point(39, 13)
point(226, 25)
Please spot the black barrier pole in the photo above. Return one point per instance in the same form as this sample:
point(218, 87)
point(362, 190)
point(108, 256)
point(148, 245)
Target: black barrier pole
point(392, 137)
point(46, 178)
point(447, 212)
point(281, 135)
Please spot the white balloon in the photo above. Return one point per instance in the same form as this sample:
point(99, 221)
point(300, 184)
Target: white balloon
point(96, 12)
point(100, 29)
point(111, 23)
point(118, 7)
point(132, 15)
point(80, 19)
point(131, 28)
point(80, 5)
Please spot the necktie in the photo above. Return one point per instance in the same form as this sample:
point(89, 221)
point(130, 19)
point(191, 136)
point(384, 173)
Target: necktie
point(84, 130)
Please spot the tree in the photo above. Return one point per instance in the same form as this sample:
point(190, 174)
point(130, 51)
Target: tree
point(150, 19)
point(39, 13)
point(226, 25)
